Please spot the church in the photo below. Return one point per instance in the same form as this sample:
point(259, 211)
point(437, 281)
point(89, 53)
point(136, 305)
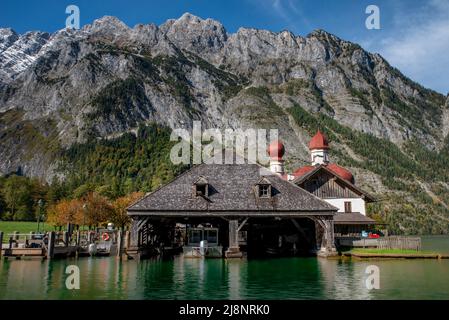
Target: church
point(232, 210)
point(330, 182)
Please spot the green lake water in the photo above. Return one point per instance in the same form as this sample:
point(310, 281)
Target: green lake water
point(179, 278)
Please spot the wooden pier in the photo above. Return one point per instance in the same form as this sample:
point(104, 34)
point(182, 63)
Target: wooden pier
point(56, 244)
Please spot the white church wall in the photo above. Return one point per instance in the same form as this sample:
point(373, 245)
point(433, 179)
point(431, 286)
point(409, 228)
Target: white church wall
point(357, 204)
point(319, 156)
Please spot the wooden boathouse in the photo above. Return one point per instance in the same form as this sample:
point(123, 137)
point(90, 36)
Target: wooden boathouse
point(252, 209)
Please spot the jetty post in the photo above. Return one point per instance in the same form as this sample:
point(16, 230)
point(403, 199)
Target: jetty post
point(51, 245)
point(11, 241)
point(127, 239)
point(16, 239)
point(1, 243)
point(120, 244)
point(78, 243)
point(90, 237)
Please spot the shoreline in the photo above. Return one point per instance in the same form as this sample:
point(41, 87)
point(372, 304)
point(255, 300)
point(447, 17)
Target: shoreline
point(358, 255)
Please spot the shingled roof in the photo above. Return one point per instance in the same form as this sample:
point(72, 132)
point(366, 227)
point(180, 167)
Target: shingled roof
point(353, 218)
point(232, 191)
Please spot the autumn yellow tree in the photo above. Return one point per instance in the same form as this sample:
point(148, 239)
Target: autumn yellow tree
point(65, 211)
point(120, 217)
point(97, 210)
point(93, 210)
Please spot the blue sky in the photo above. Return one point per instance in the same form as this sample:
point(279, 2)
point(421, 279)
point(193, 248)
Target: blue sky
point(414, 34)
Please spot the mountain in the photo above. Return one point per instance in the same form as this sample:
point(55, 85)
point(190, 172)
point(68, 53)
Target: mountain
point(62, 91)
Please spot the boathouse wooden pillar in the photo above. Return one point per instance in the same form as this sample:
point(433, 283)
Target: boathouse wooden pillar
point(1, 243)
point(132, 250)
point(233, 250)
point(318, 234)
point(330, 238)
point(134, 234)
point(324, 233)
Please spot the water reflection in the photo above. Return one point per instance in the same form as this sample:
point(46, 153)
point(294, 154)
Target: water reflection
point(186, 278)
point(338, 285)
point(235, 268)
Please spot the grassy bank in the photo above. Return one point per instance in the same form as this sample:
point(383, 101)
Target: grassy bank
point(394, 253)
point(389, 251)
point(22, 227)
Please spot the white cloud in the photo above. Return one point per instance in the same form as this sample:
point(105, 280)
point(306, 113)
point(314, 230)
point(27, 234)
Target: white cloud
point(419, 46)
point(283, 12)
point(288, 11)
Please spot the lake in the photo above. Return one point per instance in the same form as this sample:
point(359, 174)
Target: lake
point(179, 278)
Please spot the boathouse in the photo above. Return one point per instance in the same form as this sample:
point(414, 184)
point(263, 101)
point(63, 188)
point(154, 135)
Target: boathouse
point(235, 208)
point(247, 207)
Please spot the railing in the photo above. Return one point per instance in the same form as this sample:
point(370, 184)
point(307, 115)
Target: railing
point(365, 243)
point(56, 243)
point(21, 240)
point(392, 242)
point(348, 235)
point(403, 243)
point(16, 239)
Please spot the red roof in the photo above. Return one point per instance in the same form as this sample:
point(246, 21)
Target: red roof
point(276, 150)
point(335, 168)
point(342, 172)
point(318, 141)
point(303, 170)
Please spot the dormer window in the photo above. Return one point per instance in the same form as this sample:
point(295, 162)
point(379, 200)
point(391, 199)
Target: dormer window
point(201, 187)
point(263, 188)
point(264, 191)
point(201, 190)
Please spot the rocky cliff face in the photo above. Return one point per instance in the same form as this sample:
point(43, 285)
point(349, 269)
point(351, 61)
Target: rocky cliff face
point(18, 52)
point(108, 78)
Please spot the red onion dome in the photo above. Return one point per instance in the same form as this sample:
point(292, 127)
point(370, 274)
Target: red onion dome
point(276, 150)
point(318, 141)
